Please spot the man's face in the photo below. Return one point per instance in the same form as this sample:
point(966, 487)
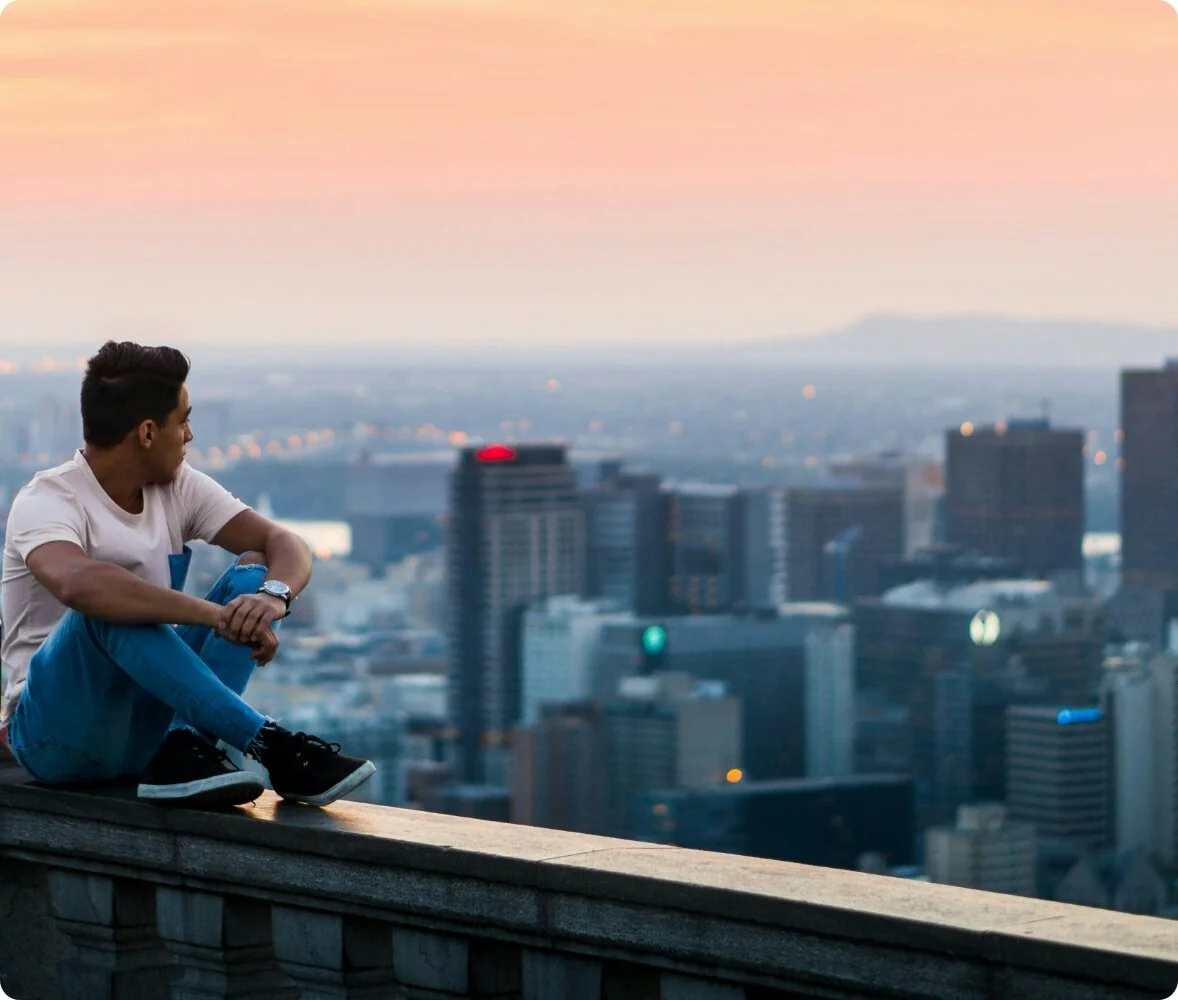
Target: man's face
point(171, 442)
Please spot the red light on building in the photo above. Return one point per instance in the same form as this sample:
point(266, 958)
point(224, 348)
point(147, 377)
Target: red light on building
point(497, 453)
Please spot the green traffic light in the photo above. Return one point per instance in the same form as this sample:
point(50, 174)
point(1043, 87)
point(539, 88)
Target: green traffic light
point(654, 640)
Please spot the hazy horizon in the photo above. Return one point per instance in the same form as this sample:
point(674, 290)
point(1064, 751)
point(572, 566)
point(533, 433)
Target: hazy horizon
point(469, 174)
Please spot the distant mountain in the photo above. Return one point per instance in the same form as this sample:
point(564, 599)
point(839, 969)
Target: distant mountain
point(979, 340)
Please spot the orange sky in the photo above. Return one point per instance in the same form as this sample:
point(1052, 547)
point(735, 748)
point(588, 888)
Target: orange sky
point(457, 171)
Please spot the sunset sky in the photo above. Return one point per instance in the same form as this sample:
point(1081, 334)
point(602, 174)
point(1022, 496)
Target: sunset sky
point(518, 172)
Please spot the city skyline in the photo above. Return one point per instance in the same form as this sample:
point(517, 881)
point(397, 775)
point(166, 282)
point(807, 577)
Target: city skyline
point(477, 173)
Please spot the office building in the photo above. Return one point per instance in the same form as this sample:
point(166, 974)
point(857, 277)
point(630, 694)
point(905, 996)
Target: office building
point(829, 692)
point(516, 535)
point(395, 506)
point(826, 822)
point(668, 731)
point(706, 532)
point(1149, 479)
point(1058, 773)
point(1140, 701)
point(628, 552)
point(560, 637)
point(838, 538)
point(558, 773)
point(766, 511)
point(923, 484)
point(937, 666)
point(1016, 491)
point(985, 850)
point(781, 664)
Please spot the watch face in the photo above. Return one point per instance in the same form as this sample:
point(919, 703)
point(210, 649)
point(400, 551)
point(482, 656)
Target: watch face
point(275, 589)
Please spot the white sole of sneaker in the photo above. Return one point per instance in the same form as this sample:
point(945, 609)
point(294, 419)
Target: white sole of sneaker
point(349, 784)
point(233, 789)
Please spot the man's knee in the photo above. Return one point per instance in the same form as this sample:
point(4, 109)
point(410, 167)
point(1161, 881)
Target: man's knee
point(252, 559)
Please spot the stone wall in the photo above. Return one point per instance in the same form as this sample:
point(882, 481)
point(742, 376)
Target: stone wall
point(105, 897)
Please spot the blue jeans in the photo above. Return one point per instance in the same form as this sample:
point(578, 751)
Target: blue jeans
point(100, 698)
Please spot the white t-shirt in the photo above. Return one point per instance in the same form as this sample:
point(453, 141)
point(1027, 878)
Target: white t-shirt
point(67, 504)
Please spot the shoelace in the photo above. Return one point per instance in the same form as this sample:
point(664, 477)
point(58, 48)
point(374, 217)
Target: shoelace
point(304, 742)
point(206, 751)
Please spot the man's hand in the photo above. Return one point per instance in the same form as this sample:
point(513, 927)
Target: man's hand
point(246, 619)
point(266, 649)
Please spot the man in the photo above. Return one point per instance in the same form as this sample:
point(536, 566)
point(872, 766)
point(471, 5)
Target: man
point(112, 671)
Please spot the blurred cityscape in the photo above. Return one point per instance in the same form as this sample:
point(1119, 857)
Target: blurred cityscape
point(914, 622)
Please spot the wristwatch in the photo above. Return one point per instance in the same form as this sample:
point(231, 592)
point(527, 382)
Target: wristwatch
point(276, 588)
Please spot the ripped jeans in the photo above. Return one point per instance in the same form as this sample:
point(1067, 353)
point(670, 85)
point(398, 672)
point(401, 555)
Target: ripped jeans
point(100, 698)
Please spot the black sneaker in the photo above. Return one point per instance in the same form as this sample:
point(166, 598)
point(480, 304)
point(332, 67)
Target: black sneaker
point(188, 770)
point(305, 768)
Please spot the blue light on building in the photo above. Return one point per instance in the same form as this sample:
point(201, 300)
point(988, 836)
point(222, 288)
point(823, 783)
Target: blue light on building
point(1075, 716)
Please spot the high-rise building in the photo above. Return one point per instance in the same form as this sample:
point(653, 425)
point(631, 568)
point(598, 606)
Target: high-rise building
point(558, 773)
point(923, 483)
point(984, 850)
point(559, 647)
point(1149, 479)
point(628, 554)
point(937, 666)
point(826, 822)
point(516, 534)
point(781, 664)
point(1016, 491)
point(766, 553)
point(830, 694)
point(707, 548)
point(1058, 773)
point(838, 537)
point(1140, 701)
point(665, 732)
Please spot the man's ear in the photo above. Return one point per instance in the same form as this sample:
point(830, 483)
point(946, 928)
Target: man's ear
point(147, 433)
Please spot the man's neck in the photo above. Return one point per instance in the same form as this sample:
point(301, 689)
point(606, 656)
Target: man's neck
point(121, 482)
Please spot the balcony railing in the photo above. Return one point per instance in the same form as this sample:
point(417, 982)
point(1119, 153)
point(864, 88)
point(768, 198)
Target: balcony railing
point(106, 898)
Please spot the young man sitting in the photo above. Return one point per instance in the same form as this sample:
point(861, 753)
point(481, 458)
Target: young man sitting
point(112, 671)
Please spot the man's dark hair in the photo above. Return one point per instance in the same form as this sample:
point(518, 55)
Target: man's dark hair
point(126, 384)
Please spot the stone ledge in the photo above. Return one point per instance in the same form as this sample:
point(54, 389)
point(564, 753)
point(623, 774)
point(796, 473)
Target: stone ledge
point(764, 921)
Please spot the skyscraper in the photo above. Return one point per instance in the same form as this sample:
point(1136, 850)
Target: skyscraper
point(516, 534)
point(1016, 491)
point(1140, 699)
point(838, 539)
point(707, 548)
point(923, 483)
point(1058, 773)
point(1149, 478)
point(626, 521)
point(937, 666)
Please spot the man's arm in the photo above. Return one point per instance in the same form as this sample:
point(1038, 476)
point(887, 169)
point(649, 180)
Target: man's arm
point(288, 559)
point(110, 593)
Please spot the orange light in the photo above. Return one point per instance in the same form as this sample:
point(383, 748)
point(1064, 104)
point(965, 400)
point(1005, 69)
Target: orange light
point(1100, 458)
point(735, 776)
point(809, 392)
point(967, 429)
